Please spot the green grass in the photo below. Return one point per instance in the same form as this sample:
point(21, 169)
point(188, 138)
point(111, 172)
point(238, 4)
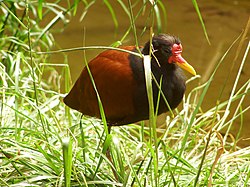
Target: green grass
point(44, 143)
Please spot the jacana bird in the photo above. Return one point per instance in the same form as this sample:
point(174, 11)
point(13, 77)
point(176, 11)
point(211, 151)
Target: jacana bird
point(120, 81)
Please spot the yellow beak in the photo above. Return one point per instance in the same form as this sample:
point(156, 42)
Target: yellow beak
point(186, 66)
point(181, 62)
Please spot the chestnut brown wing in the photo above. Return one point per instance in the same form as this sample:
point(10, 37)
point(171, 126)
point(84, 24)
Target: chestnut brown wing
point(115, 84)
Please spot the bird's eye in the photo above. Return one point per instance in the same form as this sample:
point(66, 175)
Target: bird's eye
point(168, 50)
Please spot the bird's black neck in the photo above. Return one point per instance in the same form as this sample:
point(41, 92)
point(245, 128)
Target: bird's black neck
point(172, 84)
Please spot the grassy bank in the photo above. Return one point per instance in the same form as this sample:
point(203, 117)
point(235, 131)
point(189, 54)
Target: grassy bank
point(44, 143)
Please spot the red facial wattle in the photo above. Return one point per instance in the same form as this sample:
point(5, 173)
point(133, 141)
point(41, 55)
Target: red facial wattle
point(179, 60)
point(176, 54)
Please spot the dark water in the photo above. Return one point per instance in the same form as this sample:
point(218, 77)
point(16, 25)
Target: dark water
point(224, 20)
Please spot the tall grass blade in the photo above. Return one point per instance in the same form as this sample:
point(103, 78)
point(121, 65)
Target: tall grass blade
point(49, 26)
point(17, 71)
point(108, 138)
point(67, 160)
point(124, 7)
point(86, 8)
point(76, 2)
point(118, 152)
point(132, 23)
point(88, 48)
point(40, 9)
point(105, 148)
point(98, 98)
point(33, 74)
point(201, 20)
point(202, 96)
point(158, 18)
point(13, 15)
point(111, 10)
point(163, 9)
point(234, 88)
point(152, 118)
point(248, 176)
point(83, 141)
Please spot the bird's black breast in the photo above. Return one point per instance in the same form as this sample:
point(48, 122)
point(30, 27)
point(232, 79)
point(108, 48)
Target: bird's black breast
point(172, 86)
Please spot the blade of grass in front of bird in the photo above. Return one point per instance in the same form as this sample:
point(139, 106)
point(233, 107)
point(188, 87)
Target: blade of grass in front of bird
point(148, 78)
point(158, 99)
point(103, 117)
point(89, 48)
point(147, 68)
point(108, 138)
point(152, 121)
point(163, 96)
point(67, 160)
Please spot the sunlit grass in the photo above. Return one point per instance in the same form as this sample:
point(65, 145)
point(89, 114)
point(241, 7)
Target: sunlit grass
point(44, 143)
point(34, 154)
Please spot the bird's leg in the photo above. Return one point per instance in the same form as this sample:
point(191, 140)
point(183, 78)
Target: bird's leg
point(109, 129)
point(110, 158)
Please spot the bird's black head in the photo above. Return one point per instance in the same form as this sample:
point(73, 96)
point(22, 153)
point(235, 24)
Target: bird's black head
point(161, 46)
point(166, 50)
